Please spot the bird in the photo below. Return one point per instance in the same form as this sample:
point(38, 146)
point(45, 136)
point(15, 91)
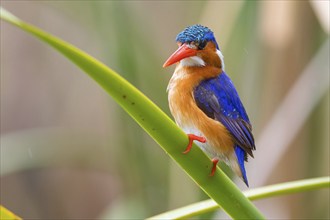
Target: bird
point(205, 103)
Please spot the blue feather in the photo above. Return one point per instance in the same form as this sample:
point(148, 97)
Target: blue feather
point(196, 33)
point(218, 99)
point(240, 154)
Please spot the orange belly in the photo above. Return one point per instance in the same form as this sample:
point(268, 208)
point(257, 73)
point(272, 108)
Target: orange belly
point(193, 120)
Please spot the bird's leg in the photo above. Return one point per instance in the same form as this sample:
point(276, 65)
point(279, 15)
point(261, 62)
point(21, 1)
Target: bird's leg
point(192, 138)
point(214, 167)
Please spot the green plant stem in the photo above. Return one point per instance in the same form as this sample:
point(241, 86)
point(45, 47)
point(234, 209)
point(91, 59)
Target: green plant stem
point(253, 194)
point(155, 122)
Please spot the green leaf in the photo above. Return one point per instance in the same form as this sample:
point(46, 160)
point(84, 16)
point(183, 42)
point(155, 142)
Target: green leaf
point(155, 122)
point(253, 194)
point(5, 214)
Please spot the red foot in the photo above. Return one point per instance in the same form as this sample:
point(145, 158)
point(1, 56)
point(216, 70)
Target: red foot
point(214, 167)
point(192, 138)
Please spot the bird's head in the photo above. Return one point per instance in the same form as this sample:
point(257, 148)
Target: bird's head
point(197, 47)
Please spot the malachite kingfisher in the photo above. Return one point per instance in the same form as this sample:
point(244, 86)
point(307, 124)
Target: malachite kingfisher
point(204, 102)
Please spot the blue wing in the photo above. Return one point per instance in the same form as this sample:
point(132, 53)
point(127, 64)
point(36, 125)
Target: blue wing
point(219, 100)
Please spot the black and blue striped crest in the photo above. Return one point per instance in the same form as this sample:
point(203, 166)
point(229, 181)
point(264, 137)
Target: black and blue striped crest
point(196, 33)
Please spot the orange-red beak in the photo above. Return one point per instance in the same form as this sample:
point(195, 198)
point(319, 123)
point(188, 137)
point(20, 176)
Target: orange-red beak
point(182, 52)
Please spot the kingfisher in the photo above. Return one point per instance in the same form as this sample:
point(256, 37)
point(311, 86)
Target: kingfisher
point(204, 102)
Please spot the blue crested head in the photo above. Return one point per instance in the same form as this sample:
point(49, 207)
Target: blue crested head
point(196, 33)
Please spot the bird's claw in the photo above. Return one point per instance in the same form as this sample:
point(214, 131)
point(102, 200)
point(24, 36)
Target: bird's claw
point(192, 138)
point(214, 167)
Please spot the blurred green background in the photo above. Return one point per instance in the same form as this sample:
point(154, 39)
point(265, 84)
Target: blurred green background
point(69, 152)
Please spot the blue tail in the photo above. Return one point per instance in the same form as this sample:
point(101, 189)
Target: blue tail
point(241, 154)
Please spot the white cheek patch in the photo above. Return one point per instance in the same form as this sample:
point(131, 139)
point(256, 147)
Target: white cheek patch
point(192, 61)
point(222, 60)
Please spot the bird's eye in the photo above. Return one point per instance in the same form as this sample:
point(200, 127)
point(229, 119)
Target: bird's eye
point(201, 45)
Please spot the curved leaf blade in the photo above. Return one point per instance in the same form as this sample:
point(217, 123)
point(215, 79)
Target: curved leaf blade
point(5, 214)
point(154, 121)
point(253, 194)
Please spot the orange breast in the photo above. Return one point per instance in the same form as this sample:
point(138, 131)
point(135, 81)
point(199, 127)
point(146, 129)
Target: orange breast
point(187, 114)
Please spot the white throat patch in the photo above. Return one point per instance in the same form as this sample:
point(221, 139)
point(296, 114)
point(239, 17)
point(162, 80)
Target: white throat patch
point(197, 61)
point(221, 58)
point(192, 61)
